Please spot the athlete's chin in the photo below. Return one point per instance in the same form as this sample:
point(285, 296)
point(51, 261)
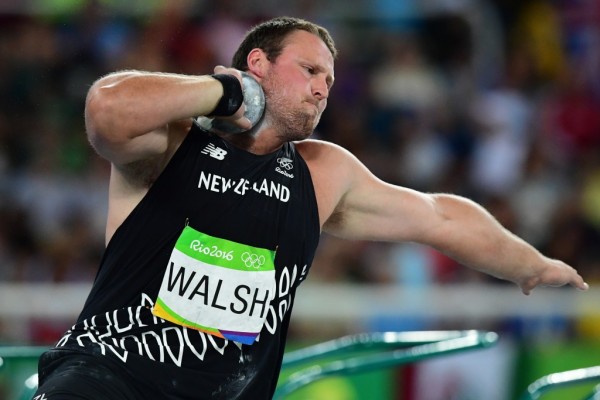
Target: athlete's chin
point(316, 121)
point(310, 127)
point(303, 128)
point(300, 132)
point(299, 135)
point(304, 136)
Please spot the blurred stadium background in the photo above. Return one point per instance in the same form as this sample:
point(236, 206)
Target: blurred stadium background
point(496, 100)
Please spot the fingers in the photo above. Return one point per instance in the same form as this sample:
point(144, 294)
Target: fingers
point(558, 274)
point(238, 118)
point(580, 283)
point(219, 69)
point(528, 286)
point(243, 123)
point(577, 280)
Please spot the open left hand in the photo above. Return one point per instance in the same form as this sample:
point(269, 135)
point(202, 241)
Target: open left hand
point(553, 273)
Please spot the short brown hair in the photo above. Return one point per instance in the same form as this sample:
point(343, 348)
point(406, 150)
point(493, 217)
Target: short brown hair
point(269, 36)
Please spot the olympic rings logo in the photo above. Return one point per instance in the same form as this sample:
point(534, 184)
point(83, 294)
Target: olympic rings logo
point(285, 163)
point(252, 260)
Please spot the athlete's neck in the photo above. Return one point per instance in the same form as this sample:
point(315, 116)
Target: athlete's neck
point(263, 141)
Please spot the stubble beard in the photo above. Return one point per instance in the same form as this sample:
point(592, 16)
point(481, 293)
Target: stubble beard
point(290, 123)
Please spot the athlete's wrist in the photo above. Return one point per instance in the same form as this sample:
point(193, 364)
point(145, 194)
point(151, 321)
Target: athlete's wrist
point(233, 96)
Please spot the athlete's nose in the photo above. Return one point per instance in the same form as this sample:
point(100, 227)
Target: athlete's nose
point(320, 88)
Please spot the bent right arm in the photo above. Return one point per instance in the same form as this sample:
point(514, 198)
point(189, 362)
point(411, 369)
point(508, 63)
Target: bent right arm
point(128, 114)
point(136, 120)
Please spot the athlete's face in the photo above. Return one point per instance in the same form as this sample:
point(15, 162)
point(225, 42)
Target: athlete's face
point(297, 85)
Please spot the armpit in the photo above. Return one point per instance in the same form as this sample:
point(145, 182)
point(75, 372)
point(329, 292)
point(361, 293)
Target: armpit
point(143, 173)
point(334, 222)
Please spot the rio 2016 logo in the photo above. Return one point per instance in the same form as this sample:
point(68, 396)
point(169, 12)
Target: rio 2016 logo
point(252, 260)
point(212, 251)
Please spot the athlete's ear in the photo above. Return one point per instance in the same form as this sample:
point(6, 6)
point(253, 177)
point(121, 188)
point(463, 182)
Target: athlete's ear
point(257, 62)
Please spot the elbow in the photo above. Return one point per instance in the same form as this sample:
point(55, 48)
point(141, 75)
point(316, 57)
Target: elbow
point(105, 113)
point(443, 205)
point(98, 111)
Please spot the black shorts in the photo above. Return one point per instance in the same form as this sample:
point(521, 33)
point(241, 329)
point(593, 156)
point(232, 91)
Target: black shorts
point(70, 375)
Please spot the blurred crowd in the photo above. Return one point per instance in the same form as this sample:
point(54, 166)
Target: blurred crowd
point(499, 103)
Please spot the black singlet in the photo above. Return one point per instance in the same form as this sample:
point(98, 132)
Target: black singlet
point(266, 206)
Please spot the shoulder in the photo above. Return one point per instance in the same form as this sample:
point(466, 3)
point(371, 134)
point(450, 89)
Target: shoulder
point(321, 154)
point(334, 171)
point(321, 151)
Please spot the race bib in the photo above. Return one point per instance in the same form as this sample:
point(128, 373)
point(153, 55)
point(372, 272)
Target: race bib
point(217, 286)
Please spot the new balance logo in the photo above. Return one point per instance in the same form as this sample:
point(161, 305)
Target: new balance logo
point(214, 152)
point(40, 397)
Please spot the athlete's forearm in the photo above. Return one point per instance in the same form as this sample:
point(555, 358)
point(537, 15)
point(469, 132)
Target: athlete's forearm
point(474, 237)
point(127, 104)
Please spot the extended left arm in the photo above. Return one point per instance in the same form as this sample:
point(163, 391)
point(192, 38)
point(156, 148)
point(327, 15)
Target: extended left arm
point(374, 210)
point(468, 233)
